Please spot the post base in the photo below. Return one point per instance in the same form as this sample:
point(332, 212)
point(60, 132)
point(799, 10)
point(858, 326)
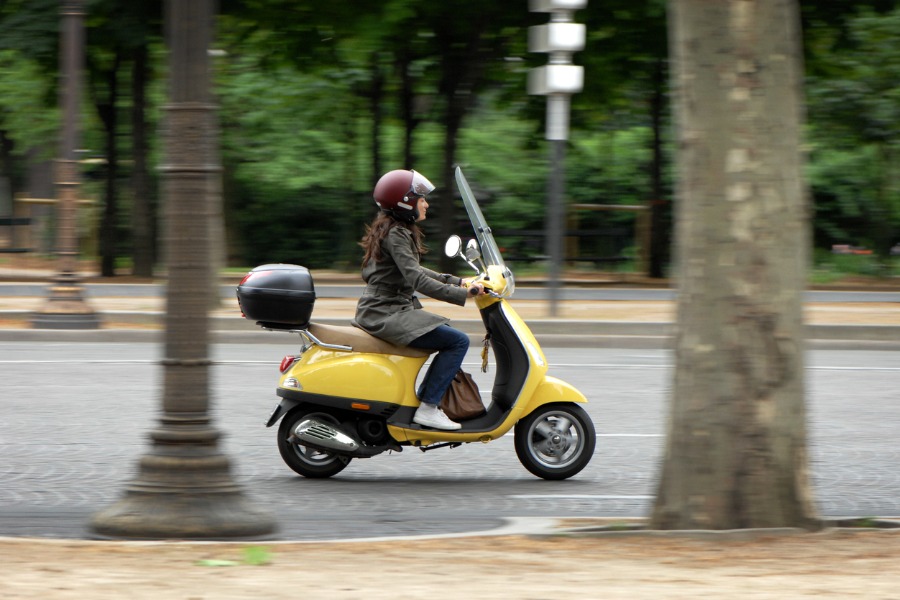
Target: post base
point(200, 516)
point(183, 491)
point(65, 308)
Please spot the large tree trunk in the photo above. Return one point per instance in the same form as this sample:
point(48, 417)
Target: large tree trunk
point(736, 452)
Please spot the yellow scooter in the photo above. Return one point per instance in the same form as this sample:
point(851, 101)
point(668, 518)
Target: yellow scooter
point(350, 395)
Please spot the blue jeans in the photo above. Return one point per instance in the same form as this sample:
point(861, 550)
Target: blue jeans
point(452, 346)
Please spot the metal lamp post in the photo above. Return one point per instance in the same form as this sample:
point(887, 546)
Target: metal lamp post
point(184, 488)
point(558, 80)
point(65, 307)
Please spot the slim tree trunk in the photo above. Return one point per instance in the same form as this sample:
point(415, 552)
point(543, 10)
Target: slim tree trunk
point(461, 70)
point(407, 110)
point(447, 211)
point(142, 214)
point(736, 452)
point(7, 162)
point(376, 99)
point(108, 225)
point(659, 234)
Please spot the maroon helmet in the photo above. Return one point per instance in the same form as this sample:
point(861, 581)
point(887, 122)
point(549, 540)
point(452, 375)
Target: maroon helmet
point(397, 193)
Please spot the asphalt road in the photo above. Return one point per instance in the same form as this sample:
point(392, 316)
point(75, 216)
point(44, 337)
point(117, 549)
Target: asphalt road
point(74, 419)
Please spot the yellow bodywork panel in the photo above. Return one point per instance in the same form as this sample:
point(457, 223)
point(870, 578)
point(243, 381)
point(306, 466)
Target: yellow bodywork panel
point(375, 377)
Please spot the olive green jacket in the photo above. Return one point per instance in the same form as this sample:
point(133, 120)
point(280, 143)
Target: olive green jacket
point(388, 309)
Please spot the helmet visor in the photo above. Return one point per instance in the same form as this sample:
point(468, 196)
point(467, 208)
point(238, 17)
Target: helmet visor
point(420, 185)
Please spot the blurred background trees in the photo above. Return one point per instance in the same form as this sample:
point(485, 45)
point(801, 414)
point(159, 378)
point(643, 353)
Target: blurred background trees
point(319, 98)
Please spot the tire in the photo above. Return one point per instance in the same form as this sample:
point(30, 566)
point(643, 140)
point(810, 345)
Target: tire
point(556, 441)
point(306, 461)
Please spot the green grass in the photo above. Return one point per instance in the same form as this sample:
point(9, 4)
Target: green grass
point(828, 267)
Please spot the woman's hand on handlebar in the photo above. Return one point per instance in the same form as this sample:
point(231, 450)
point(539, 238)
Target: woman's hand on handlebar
point(474, 287)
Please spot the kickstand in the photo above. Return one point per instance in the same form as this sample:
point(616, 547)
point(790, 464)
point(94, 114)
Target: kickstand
point(436, 446)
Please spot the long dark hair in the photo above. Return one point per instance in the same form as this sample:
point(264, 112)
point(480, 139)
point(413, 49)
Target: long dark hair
point(378, 229)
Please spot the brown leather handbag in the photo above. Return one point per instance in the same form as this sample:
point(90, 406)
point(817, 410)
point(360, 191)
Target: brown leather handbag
point(462, 400)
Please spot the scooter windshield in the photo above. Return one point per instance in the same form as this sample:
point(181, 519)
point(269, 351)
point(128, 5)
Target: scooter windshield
point(490, 252)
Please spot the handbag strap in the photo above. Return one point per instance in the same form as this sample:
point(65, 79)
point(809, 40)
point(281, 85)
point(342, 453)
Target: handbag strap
point(485, 343)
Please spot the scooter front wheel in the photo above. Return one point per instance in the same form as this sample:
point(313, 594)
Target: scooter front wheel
point(555, 441)
point(309, 462)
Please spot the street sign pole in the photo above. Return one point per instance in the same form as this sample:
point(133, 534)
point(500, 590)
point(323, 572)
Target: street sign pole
point(558, 80)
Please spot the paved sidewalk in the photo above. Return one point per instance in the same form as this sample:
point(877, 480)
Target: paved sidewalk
point(601, 323)
point(643, 323)
point(602, 310)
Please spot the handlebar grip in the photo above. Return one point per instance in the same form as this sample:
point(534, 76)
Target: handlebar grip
point(473, 291)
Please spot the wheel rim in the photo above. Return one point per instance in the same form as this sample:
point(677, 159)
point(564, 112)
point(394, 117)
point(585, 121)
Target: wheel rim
point(312, 456)
point(556, 440)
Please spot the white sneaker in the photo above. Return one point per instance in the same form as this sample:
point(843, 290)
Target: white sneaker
point(431, 415)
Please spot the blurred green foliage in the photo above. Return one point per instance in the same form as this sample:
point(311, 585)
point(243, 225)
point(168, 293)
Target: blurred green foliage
point(318, 98)
point(854, 100)
point(26, 120)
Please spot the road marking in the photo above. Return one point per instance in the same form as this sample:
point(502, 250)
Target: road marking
point(577, 497)
point(853, 368)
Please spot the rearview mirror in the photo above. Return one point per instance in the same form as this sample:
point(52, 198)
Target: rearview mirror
point(473, 253)
point(452, 246)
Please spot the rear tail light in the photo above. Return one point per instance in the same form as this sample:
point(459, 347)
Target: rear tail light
point(286, 363)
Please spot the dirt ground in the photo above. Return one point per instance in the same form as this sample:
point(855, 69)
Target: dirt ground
point(835, 563)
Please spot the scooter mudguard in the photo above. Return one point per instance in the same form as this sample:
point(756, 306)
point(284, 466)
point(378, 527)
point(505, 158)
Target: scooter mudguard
point(553, 390)
point(280, 410)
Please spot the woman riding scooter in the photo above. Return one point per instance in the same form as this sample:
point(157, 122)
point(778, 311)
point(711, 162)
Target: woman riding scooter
point(348, 394)
point(393, 245)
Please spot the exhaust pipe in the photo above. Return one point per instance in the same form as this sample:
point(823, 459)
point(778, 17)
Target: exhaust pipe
point(323, 436)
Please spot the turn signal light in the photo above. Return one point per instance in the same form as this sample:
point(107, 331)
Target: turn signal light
point(286, 363)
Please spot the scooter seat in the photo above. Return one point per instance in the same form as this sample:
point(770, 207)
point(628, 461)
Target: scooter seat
point(361, 341)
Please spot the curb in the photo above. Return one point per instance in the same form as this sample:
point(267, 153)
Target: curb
point(534, 527)
point(636, 527)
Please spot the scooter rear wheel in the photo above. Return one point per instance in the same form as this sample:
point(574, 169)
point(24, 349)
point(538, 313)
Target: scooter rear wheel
point(555, 441)
point(306, 461)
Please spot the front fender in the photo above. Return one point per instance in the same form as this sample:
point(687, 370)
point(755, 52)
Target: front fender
point(553, 390)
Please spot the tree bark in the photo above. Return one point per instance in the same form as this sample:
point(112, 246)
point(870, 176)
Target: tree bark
point(376, 98)
point(109, 223)
point(143, 215)
point(736, 451)
point(407, 108)
point(659, 238)
point(461, 70)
